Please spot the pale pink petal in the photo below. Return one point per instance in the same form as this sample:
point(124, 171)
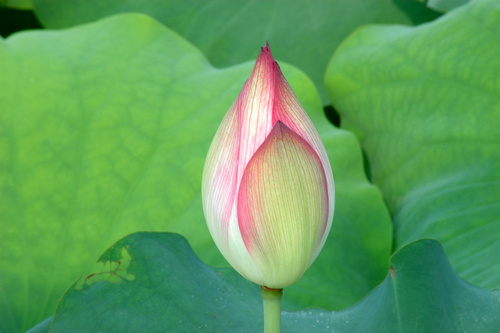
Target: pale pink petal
point(255, 105)
point(288, 109)
point(283, 206)
point(219, 182)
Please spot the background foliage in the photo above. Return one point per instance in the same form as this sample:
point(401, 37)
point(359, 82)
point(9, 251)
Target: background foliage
point(240, 28)
point(105, 125)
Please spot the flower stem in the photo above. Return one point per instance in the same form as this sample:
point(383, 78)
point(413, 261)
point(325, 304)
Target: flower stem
point(272, 309)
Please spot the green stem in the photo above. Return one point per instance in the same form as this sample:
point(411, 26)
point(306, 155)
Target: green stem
point(272, 309)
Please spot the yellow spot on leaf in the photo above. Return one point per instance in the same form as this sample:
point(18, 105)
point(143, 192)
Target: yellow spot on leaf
point(111, 271)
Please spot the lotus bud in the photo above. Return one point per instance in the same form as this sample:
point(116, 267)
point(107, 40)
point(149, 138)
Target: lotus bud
point(267, 189)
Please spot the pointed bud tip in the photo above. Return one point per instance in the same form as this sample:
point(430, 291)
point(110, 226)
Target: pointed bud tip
point(265, 51)
point(266, 47)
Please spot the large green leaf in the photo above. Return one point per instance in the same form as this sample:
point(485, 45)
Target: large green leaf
point(104, 130)
point(153, 282)
point(445, 5)
point(42, 327)
point(304, 34)
point(425, 103)
point(18, 4)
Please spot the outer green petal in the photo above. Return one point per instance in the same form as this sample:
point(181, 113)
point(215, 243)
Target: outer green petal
point(283, 206)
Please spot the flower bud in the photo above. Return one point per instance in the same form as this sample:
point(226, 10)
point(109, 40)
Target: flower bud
point(267, 189)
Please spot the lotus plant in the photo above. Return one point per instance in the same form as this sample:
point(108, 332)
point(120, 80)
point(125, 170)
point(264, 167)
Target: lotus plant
point(267, 189)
